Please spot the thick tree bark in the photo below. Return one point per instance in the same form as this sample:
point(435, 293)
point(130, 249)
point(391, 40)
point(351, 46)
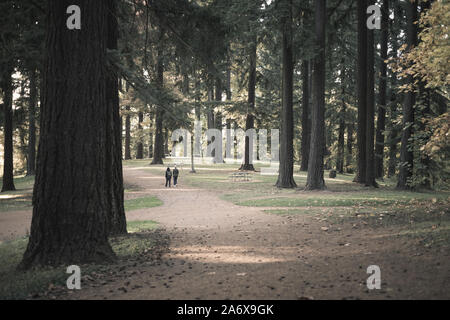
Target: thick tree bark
point(348, 162)
point(406, 152)
point(114, 171)
point(392, 164)
point(31, 156)
point(166, 142)
point(286, 170)
point(381, 124)
point(150, 145)
point(70, 218)
point(158, 149)
point(218, 156)
point(370, 117)
point(8, 165)
point(315, 180)
point(211, 123)
point(140, 144)
point(229, 93)
point(198, 114)
point(250, 120)
point(341, 138)
point(128, 134)
point(192, 154)
point(306, 120)
point(362, 91)
point(394, 134)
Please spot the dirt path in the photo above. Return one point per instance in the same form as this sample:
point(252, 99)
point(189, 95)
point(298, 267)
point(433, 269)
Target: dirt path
point(14, 224)
point(222, 251)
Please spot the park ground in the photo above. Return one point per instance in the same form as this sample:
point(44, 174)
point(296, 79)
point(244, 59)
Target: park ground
point(215, 238)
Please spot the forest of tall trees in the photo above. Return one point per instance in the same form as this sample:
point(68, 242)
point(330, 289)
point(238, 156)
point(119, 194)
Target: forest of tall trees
point(370, 102)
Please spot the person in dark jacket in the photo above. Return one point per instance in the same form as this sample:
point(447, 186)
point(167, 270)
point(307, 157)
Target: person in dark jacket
point(176, 173)
point(168, 177)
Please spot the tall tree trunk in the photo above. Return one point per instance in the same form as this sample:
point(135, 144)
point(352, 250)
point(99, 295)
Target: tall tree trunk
point(166, 142)
point(424, 112)
point(70, 218)
point(392, 164)
point(114, 171)
point(128, 134)
point(8, 165)
point(229, 93)
point(381, 124)
point(197, 137)
point(348, 162)
point(218, 156)
point(31, 157)
point(306, 120)
point(286, 171)
point(406, 152)
point(211, 123)
point(394, 134)
point(315, 180)
point(362, 92)
point(342, 115)
point(150, 145)
point(140, 144)
point(229, 144)
point(158, 149)
point(192, 154)
point(250, 120)
point(370, 117)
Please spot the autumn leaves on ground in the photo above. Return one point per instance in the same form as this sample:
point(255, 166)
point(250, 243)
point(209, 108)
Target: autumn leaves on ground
point(215, 238)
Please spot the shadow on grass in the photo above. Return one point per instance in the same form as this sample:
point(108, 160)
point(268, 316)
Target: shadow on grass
point(144, 241)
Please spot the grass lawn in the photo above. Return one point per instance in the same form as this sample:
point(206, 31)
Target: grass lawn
point(142, 203)
point(19, 199)
point(261, 191)
point(22, 197)
point(22, 285)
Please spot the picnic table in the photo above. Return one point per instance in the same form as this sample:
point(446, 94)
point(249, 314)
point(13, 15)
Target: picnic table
point(240, 176)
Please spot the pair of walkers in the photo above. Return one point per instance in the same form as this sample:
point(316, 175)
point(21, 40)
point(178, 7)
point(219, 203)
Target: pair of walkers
point(170, 174)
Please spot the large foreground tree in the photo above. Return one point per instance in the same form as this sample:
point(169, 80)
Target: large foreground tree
point(406, 151)
point(370, 109)
point(114, 174)
point(315, 180)
point(361, 81)
point(7, 88)
point(70, 218)
point(286, 171)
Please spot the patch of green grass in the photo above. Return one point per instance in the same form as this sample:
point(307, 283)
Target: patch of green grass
point(140, 226)
point(131, 188)
point(313, 202)
point(19, 199)
point(282, 212)
point(261, 191)
point(22, 285)
point(19, 285)
point(430, 233)
point(142, 203)
point(22, 182)
point(15, 201)
point(309, 211)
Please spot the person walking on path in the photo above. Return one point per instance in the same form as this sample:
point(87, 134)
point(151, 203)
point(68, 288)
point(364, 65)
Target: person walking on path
point(168, 177)
point(176, 173)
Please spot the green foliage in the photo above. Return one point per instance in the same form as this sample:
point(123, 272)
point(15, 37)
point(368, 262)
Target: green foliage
point(428, 61)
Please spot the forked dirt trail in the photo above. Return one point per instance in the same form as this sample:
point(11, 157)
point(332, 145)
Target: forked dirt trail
point(222, 251)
